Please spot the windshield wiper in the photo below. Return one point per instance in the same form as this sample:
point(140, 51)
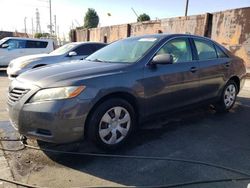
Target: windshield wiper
point(98, 60)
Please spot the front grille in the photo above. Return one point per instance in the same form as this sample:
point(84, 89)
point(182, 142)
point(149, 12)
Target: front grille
point(16, 94)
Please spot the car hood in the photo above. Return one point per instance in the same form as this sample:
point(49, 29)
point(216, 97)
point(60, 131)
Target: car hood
point(73, 72)
point(31, 58)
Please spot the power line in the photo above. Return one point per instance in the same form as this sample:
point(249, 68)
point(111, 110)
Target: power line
point(135, 13)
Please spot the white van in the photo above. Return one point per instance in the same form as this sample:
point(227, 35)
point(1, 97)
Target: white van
point(14, 47)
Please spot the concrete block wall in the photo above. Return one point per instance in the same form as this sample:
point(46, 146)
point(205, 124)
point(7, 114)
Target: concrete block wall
point(4, 34)
point(191, 24)
point(148, 27)
point(103, 34)
point(230, 28)
point(81, 35)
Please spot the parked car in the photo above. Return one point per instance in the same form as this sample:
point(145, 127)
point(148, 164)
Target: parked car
point(106, 96)
point(67, 52)
point(14, 47)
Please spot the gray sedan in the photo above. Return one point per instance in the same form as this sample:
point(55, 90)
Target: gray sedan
point(68, 52)
point(110, 93)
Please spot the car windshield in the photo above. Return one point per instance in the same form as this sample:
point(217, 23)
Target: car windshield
point(63, 49)
point(124, 51)
point(3, 40)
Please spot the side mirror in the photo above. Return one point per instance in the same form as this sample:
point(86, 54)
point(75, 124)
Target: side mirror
point(162, 59)
point(72, 54)
point(5, 46)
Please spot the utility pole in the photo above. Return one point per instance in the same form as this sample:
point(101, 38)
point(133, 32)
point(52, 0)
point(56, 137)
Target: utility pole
point(58, 31)
point(186, 10)
point(38, 26)
point(55, 24)
point(25, 27)
point(50, 18)
point(32, 27)
point(58, 35)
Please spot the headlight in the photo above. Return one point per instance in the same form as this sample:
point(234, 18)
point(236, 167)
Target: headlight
point(24, 64)
point(57, 93)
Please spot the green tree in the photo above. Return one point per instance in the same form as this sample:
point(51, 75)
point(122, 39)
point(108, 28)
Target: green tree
point(40, 35)
point(143, 17)
point(91, 19)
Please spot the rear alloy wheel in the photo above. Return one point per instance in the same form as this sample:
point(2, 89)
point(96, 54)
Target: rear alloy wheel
point(111, 123)
point(228, 97)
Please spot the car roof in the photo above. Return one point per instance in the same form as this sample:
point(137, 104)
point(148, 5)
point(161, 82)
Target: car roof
point(22, 38)
point(167, 35)
point(88, 42)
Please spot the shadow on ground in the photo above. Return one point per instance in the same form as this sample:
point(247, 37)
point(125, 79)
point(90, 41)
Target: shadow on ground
point(199, 134)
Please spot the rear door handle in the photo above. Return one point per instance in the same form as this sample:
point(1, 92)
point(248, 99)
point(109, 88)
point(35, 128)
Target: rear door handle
point(193, 69)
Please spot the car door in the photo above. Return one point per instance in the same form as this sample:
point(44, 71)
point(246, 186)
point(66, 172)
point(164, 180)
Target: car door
point(173, 85)
point(213, 67)
point(13, 50)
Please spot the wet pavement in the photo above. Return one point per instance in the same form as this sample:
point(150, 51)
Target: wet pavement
point(199, 134)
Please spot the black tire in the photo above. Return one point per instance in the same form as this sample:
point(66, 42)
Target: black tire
point(221, 106)
point(95, 125)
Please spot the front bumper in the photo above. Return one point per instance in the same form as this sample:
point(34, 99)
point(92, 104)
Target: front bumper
point(59, 121)
point(12, 73)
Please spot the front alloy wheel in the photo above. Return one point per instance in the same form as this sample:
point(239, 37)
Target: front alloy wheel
point(114, 125)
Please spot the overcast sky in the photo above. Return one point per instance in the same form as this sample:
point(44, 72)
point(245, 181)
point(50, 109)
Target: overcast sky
point(70, 12)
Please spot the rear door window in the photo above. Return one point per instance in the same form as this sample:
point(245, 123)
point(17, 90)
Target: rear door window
point(205, 49)
point(36, 44)
point(98, 47)
point(85, 49)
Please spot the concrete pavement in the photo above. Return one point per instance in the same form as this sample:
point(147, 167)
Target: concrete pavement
point(248, 72)
point(199, 134)
point(5, 171)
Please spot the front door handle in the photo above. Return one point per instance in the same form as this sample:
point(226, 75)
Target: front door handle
point(227, 64)
point(193, 69)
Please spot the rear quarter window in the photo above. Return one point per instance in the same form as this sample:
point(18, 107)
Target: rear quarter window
point(36, 44)
point(220, 52)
